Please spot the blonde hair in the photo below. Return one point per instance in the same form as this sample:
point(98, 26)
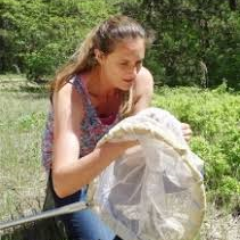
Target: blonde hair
point(103, 37)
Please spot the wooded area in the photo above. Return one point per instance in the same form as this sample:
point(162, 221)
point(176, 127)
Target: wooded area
point(197, 42)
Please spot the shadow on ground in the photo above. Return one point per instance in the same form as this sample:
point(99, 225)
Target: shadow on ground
point(49, 229)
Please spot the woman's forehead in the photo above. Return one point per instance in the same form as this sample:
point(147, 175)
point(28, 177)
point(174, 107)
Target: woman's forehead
point(130, 48)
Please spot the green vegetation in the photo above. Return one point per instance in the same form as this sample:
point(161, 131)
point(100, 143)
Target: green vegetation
point(196, 41)
point(21, 125)
point(214, 117)
point(194, 59)
point(36, 37)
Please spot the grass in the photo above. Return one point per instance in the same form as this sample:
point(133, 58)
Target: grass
point(23, 109)
point(214, 117)
point(22, 179)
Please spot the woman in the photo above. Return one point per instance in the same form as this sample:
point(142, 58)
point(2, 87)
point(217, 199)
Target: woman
point(103, 83)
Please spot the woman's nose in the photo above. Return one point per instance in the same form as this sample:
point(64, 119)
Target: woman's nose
point(132, 73)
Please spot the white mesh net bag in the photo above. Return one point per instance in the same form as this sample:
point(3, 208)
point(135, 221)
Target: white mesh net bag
point(154, 191)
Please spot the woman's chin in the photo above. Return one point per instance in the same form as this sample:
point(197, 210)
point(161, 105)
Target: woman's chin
point(126, 86)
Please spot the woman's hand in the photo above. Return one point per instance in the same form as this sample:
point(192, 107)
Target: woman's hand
point(187, 131)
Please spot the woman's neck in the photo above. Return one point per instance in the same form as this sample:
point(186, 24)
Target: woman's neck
point(105, 98)
point(98, 84)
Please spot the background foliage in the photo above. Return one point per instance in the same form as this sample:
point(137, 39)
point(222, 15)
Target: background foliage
point(196, 41)
point(215, 120)
point(38, 36)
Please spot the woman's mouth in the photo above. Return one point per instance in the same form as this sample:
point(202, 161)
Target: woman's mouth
point(128, 80)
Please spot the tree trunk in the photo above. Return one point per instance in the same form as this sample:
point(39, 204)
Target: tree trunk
point(233, 5)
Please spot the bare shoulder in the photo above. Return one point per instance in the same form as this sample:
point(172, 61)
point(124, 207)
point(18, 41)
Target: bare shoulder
point(67, 95)
point(144, 83)
point(67, 104)
point(142, 90)
point(144, 77)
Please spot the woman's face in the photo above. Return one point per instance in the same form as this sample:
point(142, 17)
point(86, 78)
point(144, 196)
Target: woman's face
point(121, 66)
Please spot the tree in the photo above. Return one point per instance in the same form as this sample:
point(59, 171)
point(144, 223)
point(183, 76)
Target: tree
point(190, 34)
point(39, 35)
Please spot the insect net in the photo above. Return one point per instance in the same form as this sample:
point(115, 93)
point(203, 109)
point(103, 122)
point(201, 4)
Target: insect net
point(153, 191)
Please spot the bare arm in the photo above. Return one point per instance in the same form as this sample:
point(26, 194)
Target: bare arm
point(69, 174)
point(143, 90)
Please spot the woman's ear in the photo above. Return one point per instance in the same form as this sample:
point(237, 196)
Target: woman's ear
point(99, 56)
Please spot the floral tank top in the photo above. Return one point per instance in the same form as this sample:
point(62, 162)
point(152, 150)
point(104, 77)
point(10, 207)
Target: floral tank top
point(92, 127)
